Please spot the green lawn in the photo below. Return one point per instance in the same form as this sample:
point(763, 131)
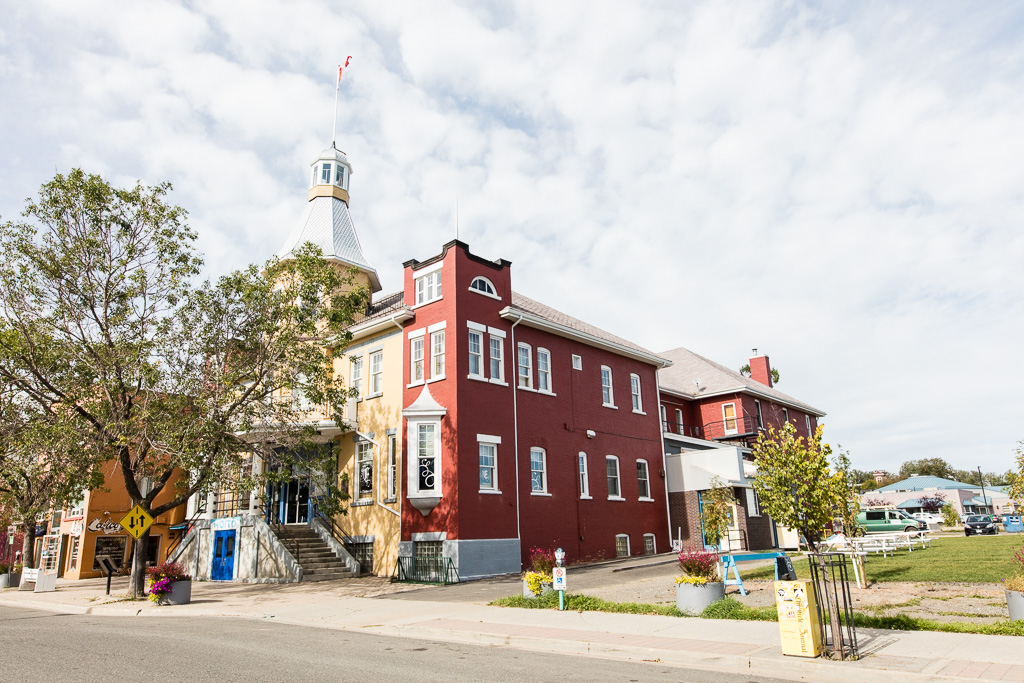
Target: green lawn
point(975, 559)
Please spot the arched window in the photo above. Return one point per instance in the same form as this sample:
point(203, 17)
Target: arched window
point(483, 286)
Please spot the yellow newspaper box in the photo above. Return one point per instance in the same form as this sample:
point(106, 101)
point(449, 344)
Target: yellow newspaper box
point(798, 618)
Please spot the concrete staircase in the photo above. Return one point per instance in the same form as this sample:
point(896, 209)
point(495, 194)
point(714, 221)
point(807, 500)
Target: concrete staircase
point(318, 561)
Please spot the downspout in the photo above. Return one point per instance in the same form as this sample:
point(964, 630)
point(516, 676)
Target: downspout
point(515, 422)
point(664, 467)
point(377, 499)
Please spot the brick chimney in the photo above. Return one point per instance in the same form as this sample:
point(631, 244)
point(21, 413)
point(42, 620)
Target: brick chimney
point(760, 369)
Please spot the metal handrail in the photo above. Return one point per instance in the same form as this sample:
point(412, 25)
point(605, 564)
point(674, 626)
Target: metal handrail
point(681, 428)
point(736, 427)
point(437, 570)
point(336, 530)
point(277, 526)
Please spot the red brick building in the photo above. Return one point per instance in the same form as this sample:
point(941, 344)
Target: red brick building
point(711, 416)
point(524, 426)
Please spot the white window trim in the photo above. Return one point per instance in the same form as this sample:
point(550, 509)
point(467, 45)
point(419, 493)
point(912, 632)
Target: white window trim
point(500, 379)
point(807, 419)
point(520, 347)
point(679, 421)
point(785, 414)
point(618, 477)
point(753, 508)
point(583, 476)
point(392, 478)
point(611, 388)
point(487, 294)
point(636, 398)
point(413, 382)
point(488, 440)
point(412, 459)
point(725, 420)
point(376, 354)
point(654, 543)
point(478, 330)
point(628, 549)
point(364, 496)
point(550, 391)
point(433, 356)
point(758, 414)
point(647, 467)
point(577, 362)
point(543, 491)
point(354, 381)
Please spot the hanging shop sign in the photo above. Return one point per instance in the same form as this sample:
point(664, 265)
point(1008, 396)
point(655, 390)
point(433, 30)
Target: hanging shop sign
point(104, 526)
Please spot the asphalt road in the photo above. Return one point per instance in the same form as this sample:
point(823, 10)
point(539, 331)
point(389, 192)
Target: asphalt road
point(43, 646)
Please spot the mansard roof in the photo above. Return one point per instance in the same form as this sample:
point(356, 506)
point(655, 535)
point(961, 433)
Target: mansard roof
point(716, 379)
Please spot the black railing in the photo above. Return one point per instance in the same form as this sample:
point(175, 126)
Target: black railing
point(439, 570)
point(731, 428)
point(270, 516)
point(184, 528)
point(682, 429)
point(336, 530)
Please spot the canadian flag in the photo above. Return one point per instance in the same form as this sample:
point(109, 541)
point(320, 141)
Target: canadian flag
point(342, 67)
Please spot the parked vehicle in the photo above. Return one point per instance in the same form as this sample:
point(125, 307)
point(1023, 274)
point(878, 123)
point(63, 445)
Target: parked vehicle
point(882, 521)
point(929, 518)
point(979, 524)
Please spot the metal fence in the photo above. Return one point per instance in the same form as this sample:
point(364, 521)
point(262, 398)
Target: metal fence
point(439, 570)
point(832, 588)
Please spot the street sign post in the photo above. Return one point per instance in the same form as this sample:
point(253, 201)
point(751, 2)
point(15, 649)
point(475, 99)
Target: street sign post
point(136, 522)
point(558, 577)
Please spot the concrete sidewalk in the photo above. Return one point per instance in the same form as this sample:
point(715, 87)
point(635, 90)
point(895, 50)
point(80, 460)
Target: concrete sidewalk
point(740, 647)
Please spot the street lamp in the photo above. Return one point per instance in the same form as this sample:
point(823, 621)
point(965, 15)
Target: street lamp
point(559, 556)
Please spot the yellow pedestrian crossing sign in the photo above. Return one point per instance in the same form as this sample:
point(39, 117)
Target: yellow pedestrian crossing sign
point(137, 521)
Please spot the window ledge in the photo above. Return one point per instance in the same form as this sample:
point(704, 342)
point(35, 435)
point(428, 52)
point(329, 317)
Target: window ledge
point(418, 383)
point(435, 379)
point(487, 294)
point(491, 492)
point(639, 412)
point(546, 393)
point(377, 395)
point(609, 405)
point(540, 493)
point(586, 498)
point(414, 307)
point(645, 499)
point(499, 382)
point(360, 503)
point(390, 500)
point(616, 498)
point(526, 388)
point(478, 378)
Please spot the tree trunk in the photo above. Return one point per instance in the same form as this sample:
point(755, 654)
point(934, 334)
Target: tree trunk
point(138, 580)
point(28, 546)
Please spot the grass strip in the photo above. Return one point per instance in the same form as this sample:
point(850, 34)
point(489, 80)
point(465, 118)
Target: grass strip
point(729, 608)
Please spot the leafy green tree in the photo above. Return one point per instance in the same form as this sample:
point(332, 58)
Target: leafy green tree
point(101, 316)
point(799, 490)
point(716, 511)
point(1017, 487)
point(42, 463)
point(950, 517)
point(745, 371)
point(933, 467)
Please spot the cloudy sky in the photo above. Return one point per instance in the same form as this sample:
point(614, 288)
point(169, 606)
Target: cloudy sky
point(837, 184)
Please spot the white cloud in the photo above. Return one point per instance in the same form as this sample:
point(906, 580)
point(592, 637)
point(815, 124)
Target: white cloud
point(841, 190)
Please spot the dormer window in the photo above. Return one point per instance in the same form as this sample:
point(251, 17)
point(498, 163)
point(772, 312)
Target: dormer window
point(325, 174)
point(428, 288)
point(482, 285)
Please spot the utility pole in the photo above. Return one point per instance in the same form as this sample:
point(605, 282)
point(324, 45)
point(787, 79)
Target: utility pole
point(981, 479)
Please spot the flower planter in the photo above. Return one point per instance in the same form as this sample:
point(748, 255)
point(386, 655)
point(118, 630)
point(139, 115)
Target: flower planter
point(545, 587)
point(181, 594)
point(13, 582)
point(693, 599)
point(1015, 603)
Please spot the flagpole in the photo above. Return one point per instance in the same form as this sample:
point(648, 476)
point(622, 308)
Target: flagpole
point(337, 93)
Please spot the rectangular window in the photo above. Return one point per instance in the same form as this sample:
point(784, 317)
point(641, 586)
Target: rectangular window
point(73, 551)
point(607, 395)
point(642, 479)
point(807, 419)
point(577, 362)
point(376, 373)
point(634, 388)
point(785, 414)
point(543, 370)
point(488, 460)
point(622, 545)
point(525, 366)
point(753, 508)
point(760, 418)
point(363, 554)
point(649, 547)
point(497, 367)
point(664, 419)
point(729, 418)
point(679, 421)
point(428, 288)
point(357, 377)
point(538, 470)
point(612, 469)
point(416, 357)
point(364, 470)
point(426, 458)
point(437, 354)
point(325, 174)
point(476, 354)
point(584, 479)
point(392, 466)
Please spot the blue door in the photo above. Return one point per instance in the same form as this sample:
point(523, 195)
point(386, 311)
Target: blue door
point(223, 556)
